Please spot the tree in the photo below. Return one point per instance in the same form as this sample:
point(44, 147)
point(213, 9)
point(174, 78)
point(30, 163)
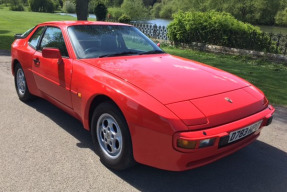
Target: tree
point(82, 10)
point(41, 6)
point(149, 2)
point(267, 10)
point(101, 12)
point(135, 9)
point(16, 5)
point(244, 10)
point(281, 18)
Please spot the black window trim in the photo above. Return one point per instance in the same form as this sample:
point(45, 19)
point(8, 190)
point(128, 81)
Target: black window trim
point(37, 48)
point(41, 36)
point(39, 43)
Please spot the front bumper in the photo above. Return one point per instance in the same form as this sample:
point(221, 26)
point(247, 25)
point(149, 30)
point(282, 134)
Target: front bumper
point(174, 159)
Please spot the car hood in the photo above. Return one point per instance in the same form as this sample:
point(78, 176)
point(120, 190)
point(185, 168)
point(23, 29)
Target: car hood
point(170, 79)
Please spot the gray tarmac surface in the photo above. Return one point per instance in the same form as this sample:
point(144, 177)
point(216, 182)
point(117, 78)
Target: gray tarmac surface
point(44, 149)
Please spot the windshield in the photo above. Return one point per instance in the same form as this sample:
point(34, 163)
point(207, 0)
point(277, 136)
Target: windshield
point(96, 41)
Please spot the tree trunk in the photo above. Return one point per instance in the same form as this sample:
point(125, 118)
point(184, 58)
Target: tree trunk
point(82, 10)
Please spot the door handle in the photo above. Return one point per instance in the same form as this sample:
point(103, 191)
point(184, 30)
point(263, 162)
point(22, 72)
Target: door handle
point(36, 61)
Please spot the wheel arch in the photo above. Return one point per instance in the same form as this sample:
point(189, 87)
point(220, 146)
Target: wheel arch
point(98, 99)
point(14, 62)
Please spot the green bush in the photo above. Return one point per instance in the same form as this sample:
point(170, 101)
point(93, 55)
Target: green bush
point(218, 29)
point(135, 9)
point(18, 7)
point(156, 10)
point(125, 19)
point(115, 12)
point(166, 11)
point(101, 12)
point(281, 18)
point(92, 5)
point(69, 7)
point(42, 6)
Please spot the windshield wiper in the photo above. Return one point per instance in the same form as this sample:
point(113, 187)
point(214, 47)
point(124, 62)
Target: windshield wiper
point(120, 54)
point(152, 52)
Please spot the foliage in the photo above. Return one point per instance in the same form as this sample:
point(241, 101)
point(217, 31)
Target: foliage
point(16, 5)
point(266, 11)
point(244, 10)
point(115, 12)
point(125, 19)
point(92, 5)
point(251, 11)
point(135, 9)
point(166, 11)
point(281, 18)
point(101, 12)
point(156, 10)
point(42, 6)
point(69, 7)
point(148, 3)
point(118, 2)
point(218, 29)
point(58, 4)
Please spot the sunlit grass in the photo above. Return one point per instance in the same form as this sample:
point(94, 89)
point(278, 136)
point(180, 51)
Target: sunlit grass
point(12, 22)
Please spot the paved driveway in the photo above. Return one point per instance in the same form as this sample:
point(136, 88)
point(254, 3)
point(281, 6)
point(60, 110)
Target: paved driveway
point(44, 149)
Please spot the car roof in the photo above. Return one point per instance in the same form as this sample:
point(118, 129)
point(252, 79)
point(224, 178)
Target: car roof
point(71, 23)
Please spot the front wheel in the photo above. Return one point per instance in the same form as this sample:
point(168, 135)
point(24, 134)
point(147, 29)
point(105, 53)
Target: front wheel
point(21, 84)
point(111, 137)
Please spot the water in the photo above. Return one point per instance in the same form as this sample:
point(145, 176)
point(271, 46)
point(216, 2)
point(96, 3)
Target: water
point(158, 22)
point(165, 22)
point(273, 29)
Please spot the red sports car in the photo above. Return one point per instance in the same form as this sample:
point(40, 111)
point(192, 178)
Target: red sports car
point(140, 103)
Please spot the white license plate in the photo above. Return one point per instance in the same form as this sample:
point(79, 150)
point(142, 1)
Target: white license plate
point(240, 133)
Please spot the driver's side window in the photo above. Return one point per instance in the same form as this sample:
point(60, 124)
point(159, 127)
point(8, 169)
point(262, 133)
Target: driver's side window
point(53, 38)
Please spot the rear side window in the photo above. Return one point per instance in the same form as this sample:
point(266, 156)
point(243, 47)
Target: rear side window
point(53, 38)
point(34, 40)
point(24, 35)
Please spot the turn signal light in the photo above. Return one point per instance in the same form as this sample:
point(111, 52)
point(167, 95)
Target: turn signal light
point(186, 144)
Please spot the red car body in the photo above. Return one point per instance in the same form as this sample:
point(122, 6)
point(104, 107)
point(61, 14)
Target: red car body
point(164, 99)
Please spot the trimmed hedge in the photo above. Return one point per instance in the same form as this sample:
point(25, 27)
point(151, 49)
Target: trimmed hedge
point(101, 12)
point(217, 28)
point(124, 19)
point(69, 7)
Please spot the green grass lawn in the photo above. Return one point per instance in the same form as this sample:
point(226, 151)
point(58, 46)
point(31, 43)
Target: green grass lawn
point(269, 77)
point(12, 22)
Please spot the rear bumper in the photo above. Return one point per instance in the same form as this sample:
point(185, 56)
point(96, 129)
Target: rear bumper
point(177, 160)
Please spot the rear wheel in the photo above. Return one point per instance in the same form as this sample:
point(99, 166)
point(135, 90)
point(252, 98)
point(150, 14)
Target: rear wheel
point(111, 137)
point(21, 84)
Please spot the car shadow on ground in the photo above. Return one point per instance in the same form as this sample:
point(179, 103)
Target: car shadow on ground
point(258, 167)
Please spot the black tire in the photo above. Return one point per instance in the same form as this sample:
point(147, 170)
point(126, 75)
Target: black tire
point(107, 117)
point(21, 87)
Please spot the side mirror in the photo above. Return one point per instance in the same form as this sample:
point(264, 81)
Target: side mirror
point(158, 44)
point(52, 53)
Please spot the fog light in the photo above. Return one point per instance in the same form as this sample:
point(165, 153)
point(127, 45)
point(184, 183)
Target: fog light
point(206, 143)
point(269, 121)
point(186, 144)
